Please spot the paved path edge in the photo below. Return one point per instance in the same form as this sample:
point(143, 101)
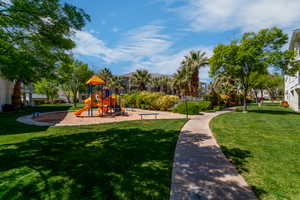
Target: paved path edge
point(200, 169)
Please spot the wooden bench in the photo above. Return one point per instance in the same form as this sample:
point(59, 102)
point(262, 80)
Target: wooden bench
point(144, 114)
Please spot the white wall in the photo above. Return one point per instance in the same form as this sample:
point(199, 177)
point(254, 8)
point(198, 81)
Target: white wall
point(6, 90)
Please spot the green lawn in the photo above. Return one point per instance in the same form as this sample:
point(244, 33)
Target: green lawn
point(264, 145)
point(128, 160)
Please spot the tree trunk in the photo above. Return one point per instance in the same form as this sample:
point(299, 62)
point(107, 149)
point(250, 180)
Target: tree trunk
point(245, 101)
point(256, 96)
point(24, 94)
point(195, 83)
point(75, 98)
point(30, 94)
point(47, 95)
point(261, 96)
point(16, 97)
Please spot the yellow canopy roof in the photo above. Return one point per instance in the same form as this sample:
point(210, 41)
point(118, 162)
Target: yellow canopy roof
point(95, 80)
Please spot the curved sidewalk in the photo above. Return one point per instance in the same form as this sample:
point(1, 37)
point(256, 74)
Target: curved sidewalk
point(200, 169)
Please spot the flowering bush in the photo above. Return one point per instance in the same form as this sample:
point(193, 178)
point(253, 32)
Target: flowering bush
point(284, 104)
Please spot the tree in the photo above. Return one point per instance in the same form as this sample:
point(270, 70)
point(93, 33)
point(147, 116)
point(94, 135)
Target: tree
point(225, 84)
point(258, 84)
point(194, 61)
point(275, 85)
point(73, 76)
point(47, 87)
point(34, 36)
point(141, 79)
point(254, 52)
point(182, 80)
point(105, 74)
point(155, 84)
point(165, 84)
point(116, 84)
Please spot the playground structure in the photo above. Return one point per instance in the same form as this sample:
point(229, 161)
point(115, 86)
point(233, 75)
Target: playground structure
point(100, 98)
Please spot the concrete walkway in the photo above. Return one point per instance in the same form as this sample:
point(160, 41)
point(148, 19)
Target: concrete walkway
point(200, 169)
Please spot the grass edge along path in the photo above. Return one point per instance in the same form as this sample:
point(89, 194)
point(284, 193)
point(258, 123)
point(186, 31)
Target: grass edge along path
point(264, 145)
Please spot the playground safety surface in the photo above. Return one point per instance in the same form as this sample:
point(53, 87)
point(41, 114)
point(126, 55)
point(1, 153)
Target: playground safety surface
point(67, 118)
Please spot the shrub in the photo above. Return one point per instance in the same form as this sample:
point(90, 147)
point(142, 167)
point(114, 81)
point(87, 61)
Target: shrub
point(151, 99)
point(193, 108)
point(130, 99)
point(8, 108)
point(166, 102)
point(225, 99)
point(205, 105)
point(213, 97)
point(238, 109)
point(148, 100)
point(219, 107)
point(284, 104)
point(251, 100)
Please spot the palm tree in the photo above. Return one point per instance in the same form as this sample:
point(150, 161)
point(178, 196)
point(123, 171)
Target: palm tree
point(165, 86)
point(116, 84)
point(155, 84)
point(182, 81)
point(141, 79)
point(194, 61)
point(225, 83)
point(105, 74)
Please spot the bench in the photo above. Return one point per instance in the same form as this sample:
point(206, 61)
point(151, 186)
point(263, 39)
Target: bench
point(144, 114)
point(35, 114)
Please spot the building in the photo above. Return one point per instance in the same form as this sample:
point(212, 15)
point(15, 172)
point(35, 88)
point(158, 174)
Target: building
point(292, 83)
point(203, 88)
point(6, 91)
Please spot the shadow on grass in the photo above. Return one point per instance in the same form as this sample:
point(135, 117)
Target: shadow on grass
point(258, 192)
point(112, 164)
point(9, 125)
point(237, 157)
point(274, 112)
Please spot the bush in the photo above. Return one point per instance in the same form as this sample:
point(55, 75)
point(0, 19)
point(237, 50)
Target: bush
point(251, 100)
point(238, 109)
point(166, 102)
point(148, 100)
point(219, 107)
point(193, 108)
point(8, 108)
point(205, 105)
point(284, 104)
point(130, 99)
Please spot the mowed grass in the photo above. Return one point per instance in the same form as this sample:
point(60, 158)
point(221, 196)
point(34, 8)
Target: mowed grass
point(264, 144)
point(127, 160)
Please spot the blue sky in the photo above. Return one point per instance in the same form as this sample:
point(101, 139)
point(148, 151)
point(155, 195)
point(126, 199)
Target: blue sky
point(156, 34)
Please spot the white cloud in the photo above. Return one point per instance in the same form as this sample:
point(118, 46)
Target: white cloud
point(89, 45)
point(247, 15)
point(144, 47)
point(169, 63)
point(135, 45)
